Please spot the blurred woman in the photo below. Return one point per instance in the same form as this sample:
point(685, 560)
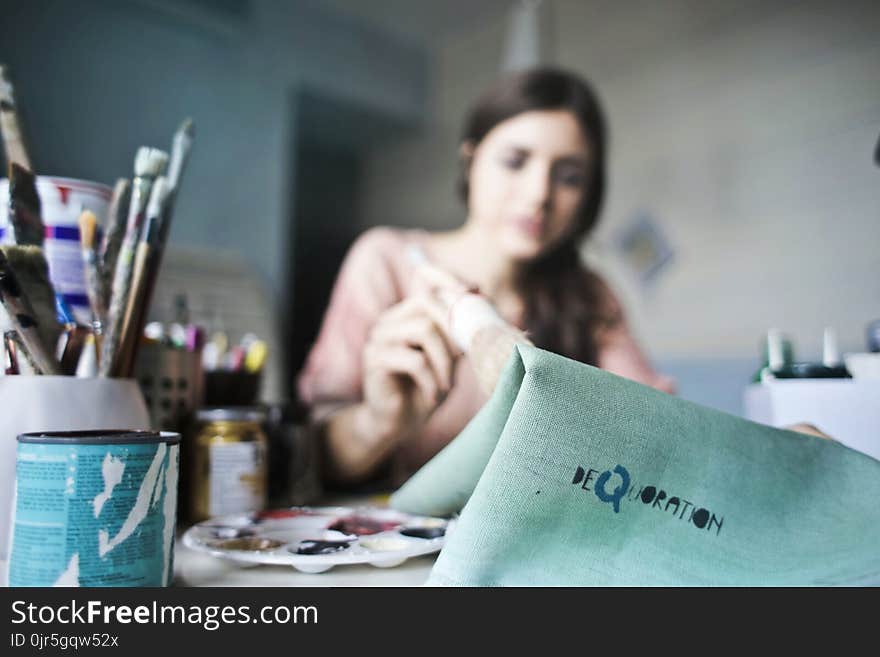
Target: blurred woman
point(388, 384)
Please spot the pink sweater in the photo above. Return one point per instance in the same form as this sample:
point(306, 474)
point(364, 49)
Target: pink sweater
point(376, 275)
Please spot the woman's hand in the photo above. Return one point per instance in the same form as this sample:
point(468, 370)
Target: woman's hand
point(408, 366)
point(407, 372)
point(472, 323)
point(809, 429)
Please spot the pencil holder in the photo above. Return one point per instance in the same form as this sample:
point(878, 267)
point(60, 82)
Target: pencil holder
point(171, 381)
point(232, 388)
point(59, 403)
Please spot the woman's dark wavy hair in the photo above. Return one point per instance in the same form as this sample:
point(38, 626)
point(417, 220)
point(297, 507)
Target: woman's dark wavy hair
point(564, 301)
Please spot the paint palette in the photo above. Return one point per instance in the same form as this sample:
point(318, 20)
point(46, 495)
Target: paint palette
point(314, 539)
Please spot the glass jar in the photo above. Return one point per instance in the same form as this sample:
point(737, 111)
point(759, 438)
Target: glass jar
point(229, 470)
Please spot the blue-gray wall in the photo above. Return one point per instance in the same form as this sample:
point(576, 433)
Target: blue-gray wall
point(95, 79)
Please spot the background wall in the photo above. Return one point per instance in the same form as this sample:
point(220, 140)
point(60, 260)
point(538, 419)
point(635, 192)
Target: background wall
point(98, 78)
point(746, 130)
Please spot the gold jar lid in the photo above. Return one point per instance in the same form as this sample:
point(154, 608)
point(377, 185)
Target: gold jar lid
point(231, 414)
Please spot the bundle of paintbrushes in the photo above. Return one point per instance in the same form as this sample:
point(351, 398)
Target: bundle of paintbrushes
point(30, 329)
point(121, 269)
point(121, 276)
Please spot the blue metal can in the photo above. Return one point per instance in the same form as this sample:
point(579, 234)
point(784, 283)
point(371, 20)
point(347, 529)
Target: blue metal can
point(94, 508)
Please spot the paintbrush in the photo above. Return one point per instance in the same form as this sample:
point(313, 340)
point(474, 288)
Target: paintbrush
point(98, 334)
point(117, 213)
point(74, 340)
point(88, 224)
point(9, 349)
point(134, 309)
point(181, 145)
point(87, 367)
point(148, 163)
point(24, 364)
point(23, 318)
point(13, 142)
point(32, 272)
point(24, 206)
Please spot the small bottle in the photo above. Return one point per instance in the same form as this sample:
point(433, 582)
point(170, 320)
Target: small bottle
point(779, 367)
point(830, 352)
point(778, 353)
point(229, 463)
point(873, 336)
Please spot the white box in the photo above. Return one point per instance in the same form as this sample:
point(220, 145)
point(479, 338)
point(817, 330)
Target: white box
point(846, 409)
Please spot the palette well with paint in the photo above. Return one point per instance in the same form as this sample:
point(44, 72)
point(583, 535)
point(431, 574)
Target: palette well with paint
point(314, 539)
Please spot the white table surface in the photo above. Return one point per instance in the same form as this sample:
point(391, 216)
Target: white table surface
point(195, 569)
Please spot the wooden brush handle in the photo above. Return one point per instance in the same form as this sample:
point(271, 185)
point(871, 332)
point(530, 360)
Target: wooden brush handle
point(151, 273)
point(116, 217)
point(93, 285)
point(9, 126)
point(122, 278)
point(130, 321)
point(12, 141)
point(23, 319)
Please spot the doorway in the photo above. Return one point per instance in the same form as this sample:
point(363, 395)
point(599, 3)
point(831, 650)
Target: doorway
point(332, 137)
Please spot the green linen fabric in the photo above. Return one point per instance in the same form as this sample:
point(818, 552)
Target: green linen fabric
point(573, 476)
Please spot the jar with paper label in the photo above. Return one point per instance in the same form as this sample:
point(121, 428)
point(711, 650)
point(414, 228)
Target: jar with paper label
point(229, 463)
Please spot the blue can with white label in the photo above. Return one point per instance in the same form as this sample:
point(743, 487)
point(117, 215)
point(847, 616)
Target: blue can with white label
point(94, 508)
